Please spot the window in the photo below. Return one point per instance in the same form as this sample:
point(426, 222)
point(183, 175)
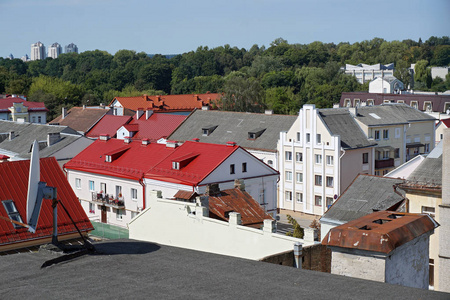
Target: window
point(119, 214)
point(91, 185)
point(431, 271)
point(308, 137)
point(365, 157)
point(78, 183)
point(39, 119)
point(318, 158)
point(232, 169)
point(298, 156)
point(288, 196)
point(427, 148)
point(330, 181)
point(299, 177)
point(134, 194)
point(103, 187)
point(118, 191)
point(288, 175)
point(357, 101)
point(369, 102)
point(251, 136)
point(270, 162)
point(427, 106)
point(12, 212)
point(299, 197)
point(298, 136)
point(397, 133)
point(329, 201)
point(288, 155)
point(318, 138)
point(318, 200)
point(175, 165)
point(330, 160)
point(377, 134)
point(385, 134)
point(397, 153)
point(91, 208)
point(431, 211)
point(386, 154)
point(244, 167)
point(347, 103)
point(414, 104)
point(318, 180)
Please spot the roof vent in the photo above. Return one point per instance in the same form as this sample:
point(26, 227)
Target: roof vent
point(172, 144)
point(196, 140)
point(127, 140)
point(104, 137)
point(231, 144)
point(145, 142)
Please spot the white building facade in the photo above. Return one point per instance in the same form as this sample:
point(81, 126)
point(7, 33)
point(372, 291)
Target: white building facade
point(37, 51)
point(54, 50)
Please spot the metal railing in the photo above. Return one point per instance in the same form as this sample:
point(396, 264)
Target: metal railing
point(108, 231)
point(108, 200)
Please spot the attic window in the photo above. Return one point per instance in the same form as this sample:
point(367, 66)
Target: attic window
point(115, 154)
point(207, 130)
point(254, 134)
point(183, 161)
point(175, 165)
point(12, 212)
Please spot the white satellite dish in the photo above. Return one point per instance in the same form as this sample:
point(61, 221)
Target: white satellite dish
point(33, 186)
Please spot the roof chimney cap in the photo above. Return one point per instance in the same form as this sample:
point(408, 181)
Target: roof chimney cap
point(127, 140)
point(196, 140)
point(145, 142)
point(172, 144)
point(104, 137)
point(231, 144)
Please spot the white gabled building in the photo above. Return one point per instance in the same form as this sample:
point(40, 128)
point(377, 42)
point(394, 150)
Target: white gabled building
point(319, 157)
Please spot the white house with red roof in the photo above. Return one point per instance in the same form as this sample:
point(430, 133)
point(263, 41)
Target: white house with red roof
point(440, 127)
point(18, 109)
point(111, 177)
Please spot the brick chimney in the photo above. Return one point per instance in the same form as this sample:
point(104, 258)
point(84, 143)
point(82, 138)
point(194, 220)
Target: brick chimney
point(212, 189)
point(239, 184)
point(104, 137)
point(172, 144)
point(52, 138)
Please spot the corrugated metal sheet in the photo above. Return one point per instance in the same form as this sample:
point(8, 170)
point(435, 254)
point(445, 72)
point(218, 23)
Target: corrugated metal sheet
point(381, 231)
point(14, 186)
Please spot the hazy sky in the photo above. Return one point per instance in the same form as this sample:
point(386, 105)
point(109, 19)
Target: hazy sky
point(175, 26)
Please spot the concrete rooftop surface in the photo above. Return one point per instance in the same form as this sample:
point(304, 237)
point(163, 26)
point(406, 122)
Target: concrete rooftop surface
point(133, 269)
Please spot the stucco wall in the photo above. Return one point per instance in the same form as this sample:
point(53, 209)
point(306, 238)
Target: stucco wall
point(174, 223)
point(353, 265)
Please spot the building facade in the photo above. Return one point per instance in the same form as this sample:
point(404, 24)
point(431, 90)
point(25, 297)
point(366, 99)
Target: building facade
point(71, 48)
point(37, 51)
point(386, 85)
point(365, 73)
point(54, 50)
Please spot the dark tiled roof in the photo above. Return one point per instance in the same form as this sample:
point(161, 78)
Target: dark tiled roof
point(381, 231)
point(429, 172)
point(365, 195)
point(234, 126)
point(387, 114)
point(340, 122)
point(81, 119)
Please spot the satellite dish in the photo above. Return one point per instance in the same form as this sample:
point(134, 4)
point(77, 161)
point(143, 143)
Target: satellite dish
point(33, 188)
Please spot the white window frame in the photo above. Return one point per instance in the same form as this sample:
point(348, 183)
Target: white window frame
point(330, 160)
point(78, 183)
point(318, 158)
point(377, 135)
point(288, 196)
point(318, 180)
point(386, 134)
point(298, 156)
point(288, 175)
point(134, 194)
point(330, 179)
point(299, 177)
point(91, 208)
point(288, 155)
point(318, 138)
point(299, 197)
point(91, 185)
point(119, 214)
point(317, 198)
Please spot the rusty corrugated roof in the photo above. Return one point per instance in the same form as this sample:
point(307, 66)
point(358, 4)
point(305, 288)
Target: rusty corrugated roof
point(381, 231)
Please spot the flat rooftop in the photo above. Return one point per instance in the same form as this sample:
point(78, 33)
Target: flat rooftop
point(134, 269)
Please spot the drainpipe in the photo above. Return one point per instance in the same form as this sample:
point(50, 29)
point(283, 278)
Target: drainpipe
point(141, 181)
point(298, 255)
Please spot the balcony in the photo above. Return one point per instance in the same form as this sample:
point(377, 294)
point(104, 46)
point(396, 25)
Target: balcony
point(108, 200)
point(384, 163)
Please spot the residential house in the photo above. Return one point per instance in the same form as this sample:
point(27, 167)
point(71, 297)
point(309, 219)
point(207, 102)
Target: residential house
point(165, 103)
point(111, 176)
point(81, 119)
point(13, 195)
point(257, 133)
point(438, 106)
point(423, 189)
point(61, 142)
point(21, 110)
point(365, 73)
point(384, 246)
point(400, 131)
point(109, 124)
point(366, 194)
point(386, 85)
point(320, 155)
point(149, 125)
point(440, 127)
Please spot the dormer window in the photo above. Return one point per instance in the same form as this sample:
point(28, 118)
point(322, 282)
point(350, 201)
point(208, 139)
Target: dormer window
point(414, 104)
point(175, 165)
point(12, 212)
point(183, 161)
point(207, 130)
point(256, 133)
point(427, 106)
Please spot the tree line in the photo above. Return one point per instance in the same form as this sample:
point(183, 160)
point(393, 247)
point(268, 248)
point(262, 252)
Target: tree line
point(281, 77)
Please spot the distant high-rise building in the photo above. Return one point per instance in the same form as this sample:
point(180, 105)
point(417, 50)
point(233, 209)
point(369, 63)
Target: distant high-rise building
point(71, 48)
point(25, 58)
point(37, 51)
point(11, 56)
point(54, 50)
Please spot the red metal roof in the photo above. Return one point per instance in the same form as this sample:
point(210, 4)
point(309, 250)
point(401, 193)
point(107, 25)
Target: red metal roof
point(153, 160)
point(381, 231)
point(446, 122)
point(157, 126)
point(187, 102)
point(14, 186)
point(108, 125)
point(6, 103)
point(235, 200)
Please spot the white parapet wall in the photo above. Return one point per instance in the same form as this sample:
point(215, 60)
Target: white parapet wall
point(187, 225)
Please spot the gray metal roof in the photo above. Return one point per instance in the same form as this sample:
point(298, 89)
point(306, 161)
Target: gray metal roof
point(133, 269)
point(387, 114)
point(430, 170)
point(234, 127)
point(340, 122)
point(365, 195)
point(26, 133)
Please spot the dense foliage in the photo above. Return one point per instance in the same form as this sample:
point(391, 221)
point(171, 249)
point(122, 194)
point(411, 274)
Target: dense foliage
point(282, 77)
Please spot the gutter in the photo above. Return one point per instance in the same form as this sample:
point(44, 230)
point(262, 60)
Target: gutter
point(141, 181)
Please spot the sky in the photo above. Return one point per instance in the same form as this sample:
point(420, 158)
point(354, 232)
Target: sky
point(179, 26)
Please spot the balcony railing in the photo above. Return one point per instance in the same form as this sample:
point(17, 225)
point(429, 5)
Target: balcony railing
point(384, 163)
point(108, 200)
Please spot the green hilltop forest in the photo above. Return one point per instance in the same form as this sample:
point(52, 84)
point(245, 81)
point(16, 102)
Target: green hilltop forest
point(281, 77)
